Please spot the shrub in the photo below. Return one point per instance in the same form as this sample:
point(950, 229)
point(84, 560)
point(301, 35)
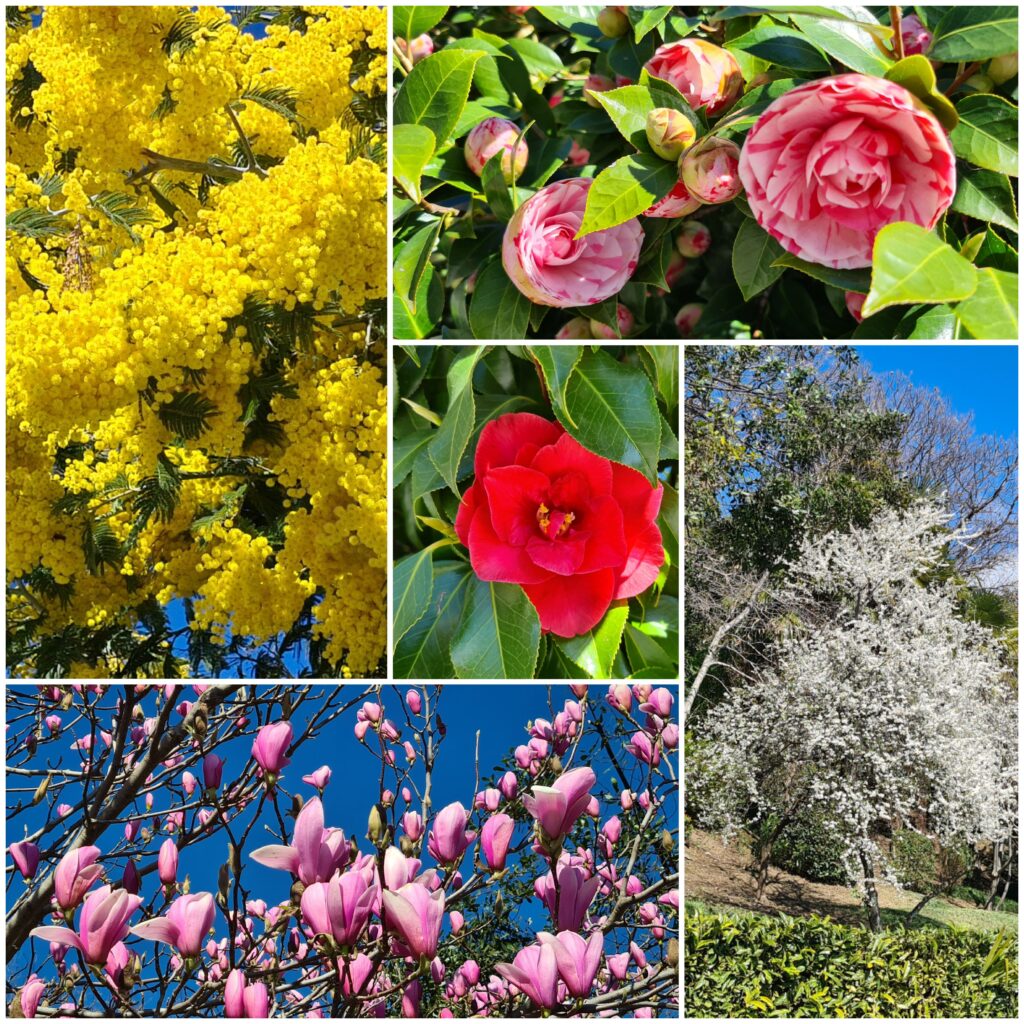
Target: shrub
point(755, 966)
point(915, 861)
point(807, 848)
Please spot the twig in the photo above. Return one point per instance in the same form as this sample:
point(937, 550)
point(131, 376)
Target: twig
point(962, 77)
point(246, 144)
point(895, 20)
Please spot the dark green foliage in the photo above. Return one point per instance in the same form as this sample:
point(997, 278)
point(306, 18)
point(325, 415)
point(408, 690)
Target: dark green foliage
point(187, 414)
point(915, 859)
point(805, 847)
point(100, 546)
point(758, 966)
point(34, 222)
point(120, 209)
point(19, 95)
point(278, 99)
point(166, 105)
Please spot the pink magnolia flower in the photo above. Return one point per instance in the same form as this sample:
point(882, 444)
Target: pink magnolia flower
point(26, 858)
point(705, 74)
point(670, 736)
point(339, 908)
point(678, 203)
point(495, 837)
point(626, 798)
point(75, 875)
point(167, 862)
point(916, 38)
point(509, 785)
point(832, 162)
point(411, 995)
point(270, 745)
point(53, 723)
point(130, 880)
point(575, 894)
point(117, 961)
point(496, 135)
point(189, 783)
point(534, 971)
point(213, 771)
point(550, 265)
point(319, 778)
point(315, 854)
point(415, 914)
point(185, 925)
point(449, 838)
point(356, 974)
point(618, 964)
point(413, 701)
point(412, 825)
point(659, 702)
point(643, 748)
point(457, 921)
point(245, 1001)
point(102, 923)
point(558, 807)
point(578, 959)
point(620, 696)
point(612, 829)
point(31, 992)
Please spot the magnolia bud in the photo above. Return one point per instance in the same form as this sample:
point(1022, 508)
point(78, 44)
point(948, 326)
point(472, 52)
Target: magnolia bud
point(199, 724)
point(710, 170)
point(223, 884)
point(612, 22)
point(596, 83)
point(496, 135)
point(375, 824)
point(575, 329)
point(297, 802)
point(233, 862)
point(556, 764)
point(693, 239)
point(41, 789)
point(1002, 69)
point(687, 317)
point(667, 842)
point(670, 132)
point(672, 953)
point(625, 321)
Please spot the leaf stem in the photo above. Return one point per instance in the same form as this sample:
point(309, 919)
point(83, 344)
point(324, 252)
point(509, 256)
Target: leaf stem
point(895, 20)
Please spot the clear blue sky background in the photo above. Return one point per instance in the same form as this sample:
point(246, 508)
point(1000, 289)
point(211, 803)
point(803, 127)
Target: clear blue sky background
point(981, 379)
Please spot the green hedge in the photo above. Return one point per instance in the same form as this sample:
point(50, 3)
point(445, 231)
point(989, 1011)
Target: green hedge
point(760, 966)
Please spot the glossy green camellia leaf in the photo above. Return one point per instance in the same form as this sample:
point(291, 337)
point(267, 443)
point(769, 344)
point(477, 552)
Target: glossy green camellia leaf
point(424, 652)
point(557, 363)
point(966, 32)
point(496, 188)
point(625, 189)
point(910, 264)
point(412, 261)
point(987, 133)
point(754, 253)
point(457, 426)
point(412, 146)
point(848, 280)
point(413, 584)
point(850, 41)
point(664, 360)
point(646, 19)
point(498, 309)
point(646, 654)
point(417, 316)
point(498, 636)
point(406, 448)
point(411, 21)
point(436, 91)
point(595, 650)
point(580, 21)
point(628, 108)
point(987, 196)
point(611, 409)
point(990, 314)
point(782, 46)
point(917, 76)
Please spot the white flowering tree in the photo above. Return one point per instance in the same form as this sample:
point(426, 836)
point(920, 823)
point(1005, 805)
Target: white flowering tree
point(883, 705)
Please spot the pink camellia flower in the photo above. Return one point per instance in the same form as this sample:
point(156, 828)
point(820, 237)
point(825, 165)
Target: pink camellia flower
point(245, 1001)
point(693, 240)
point(415, 914)
point(575, 329)
point(213, 771)
point(687, 318)
point(705, 74)
point(26, 858)
point(596, 83)
point(339, 908)
point(574, 529)
point(31, 992)
point(102, 923)
point(319, 778)
point(578, 959)
point(678, 203)
point(575, 894)
point(557, 808)
point(550, 265)
point(270, 745)
point(495, 837)
point(831, 163)
point(710, 170)
point(75, 875)
point(916, 38)
point(534, 971)
point(315, 854)
point(509, 785)
point(669, 132)
point(854, 305)
point(185, 925)
point(496, 135)
point(625, 320)
point(674, 271)
point(167, 862)
point(449, 838)
point(578, 156)
point(643, 748)
point(413, 701)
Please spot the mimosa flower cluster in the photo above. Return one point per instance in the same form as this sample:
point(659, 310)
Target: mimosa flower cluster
point(196, 260)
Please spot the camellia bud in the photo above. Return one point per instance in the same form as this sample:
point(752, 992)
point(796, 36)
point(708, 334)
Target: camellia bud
point(496, 135)
point(1002, 69)
point(980, 83)
point(693, 239)
point(419, 48)
point(710, 170)
point(670, 132)
point(576, 328)
point(687, 317)
point(625, 321)
point(596, 83)
point(854, 304)
point(612, 22)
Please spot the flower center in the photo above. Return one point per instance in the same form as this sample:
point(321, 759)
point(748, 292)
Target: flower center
point(553, 523)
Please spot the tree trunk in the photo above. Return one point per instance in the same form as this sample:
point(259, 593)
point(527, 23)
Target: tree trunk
point(997, 870)
point(764, 860)
point(871, 894)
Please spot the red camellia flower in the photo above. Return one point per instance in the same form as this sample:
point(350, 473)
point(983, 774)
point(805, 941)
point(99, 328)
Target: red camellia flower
point(575, 530)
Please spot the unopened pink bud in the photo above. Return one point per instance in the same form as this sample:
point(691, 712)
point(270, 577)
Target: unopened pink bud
point(596, 83)
point(711, 170)
point(693, 240)
point(577, 328)
point(854, 304)
point(625, 321)
point(496, 135)
point(413, 701)
point(669, 132)
point(687, 318)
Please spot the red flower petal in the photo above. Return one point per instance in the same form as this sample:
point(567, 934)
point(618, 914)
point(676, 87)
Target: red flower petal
point(501, 439)
point(464, 517)
point(514, 493)
point(604, 525)
point(563, 556)
point(494, 560)
point(567, 455)
point(645, 558)
point(638, 500)
point(571, 605)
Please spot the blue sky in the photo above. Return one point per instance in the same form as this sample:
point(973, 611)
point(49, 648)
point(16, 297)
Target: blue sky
point(981, 379)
